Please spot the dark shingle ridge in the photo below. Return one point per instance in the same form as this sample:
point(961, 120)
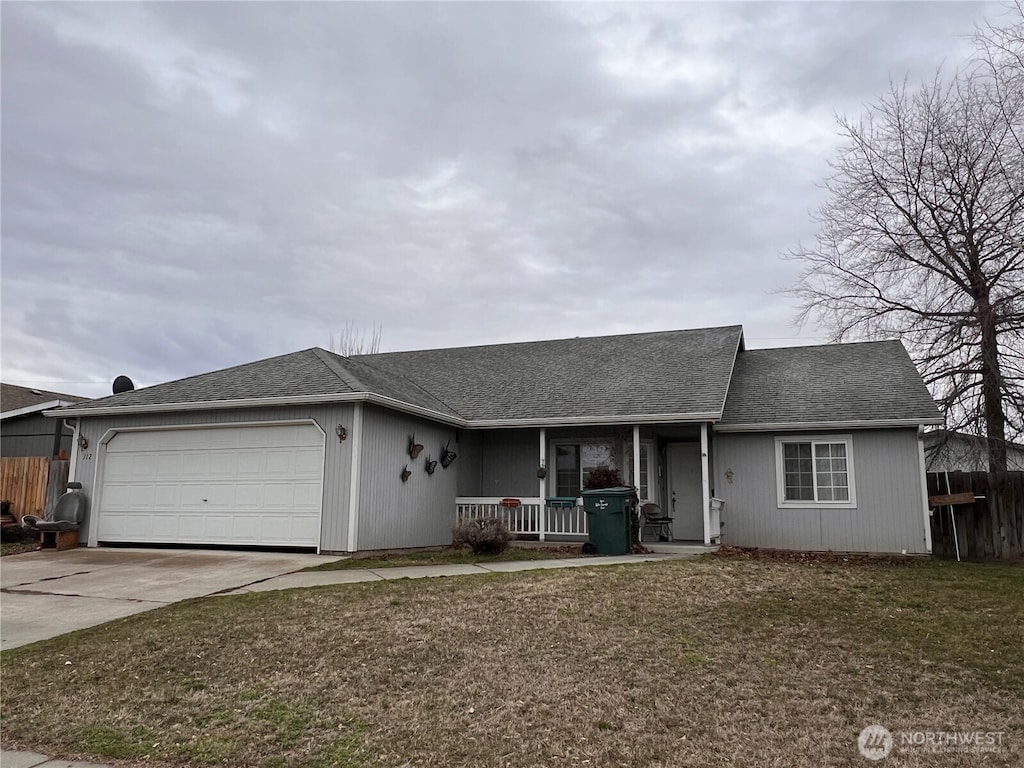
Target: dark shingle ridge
point(330, 359)
point(537, 342)
point(394, 385)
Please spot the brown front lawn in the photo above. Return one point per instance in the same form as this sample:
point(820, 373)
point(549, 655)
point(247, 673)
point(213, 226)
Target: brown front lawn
point(720, 661)
point(450, 556)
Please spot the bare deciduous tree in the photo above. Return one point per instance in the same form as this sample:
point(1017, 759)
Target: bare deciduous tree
point(922, 237)
point(353, 341)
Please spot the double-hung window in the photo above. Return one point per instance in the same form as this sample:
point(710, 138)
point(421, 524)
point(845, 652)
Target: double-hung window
point(815, 471)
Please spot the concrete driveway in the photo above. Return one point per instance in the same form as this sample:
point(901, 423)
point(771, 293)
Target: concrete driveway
point(49, 593)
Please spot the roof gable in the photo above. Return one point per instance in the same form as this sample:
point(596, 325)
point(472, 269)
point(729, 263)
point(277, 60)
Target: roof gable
point(679, 374)
point(834, 383)
point(15, 400)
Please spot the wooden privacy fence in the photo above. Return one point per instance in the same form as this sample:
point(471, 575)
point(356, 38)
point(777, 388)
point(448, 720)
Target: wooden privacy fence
point(32, 484)
point(987, 514)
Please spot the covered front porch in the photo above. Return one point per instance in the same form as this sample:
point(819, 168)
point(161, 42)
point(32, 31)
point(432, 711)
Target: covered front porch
point(532, 478)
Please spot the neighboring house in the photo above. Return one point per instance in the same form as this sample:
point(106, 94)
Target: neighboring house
point(947, 451)
point(24, 430)
point(812, 448)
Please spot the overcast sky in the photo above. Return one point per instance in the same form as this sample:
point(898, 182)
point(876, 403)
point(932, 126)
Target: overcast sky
point(188, 186)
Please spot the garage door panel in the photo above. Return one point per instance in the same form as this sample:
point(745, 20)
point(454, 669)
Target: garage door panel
point(116, 496)
point(166, 527)
point(235, 485)
point(169, 465)
point(249, 496)
point(278, 496)
point(141, 496)
point(193, 464)
point(222, 464)
point(307, 462)
point(119, 466)
point(307, 496)
point(167, 496)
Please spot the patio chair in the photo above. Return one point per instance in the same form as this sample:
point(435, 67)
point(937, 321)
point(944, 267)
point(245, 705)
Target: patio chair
point(654, 519)
point(60, 530)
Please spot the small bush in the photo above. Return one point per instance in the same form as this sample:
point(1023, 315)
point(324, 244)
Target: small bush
point(485, 536)
point(603, 477)
point(14, 534)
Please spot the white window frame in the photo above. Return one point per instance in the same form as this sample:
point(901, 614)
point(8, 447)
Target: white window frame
point(652, 468)
point(615, 443)
point(780, 474)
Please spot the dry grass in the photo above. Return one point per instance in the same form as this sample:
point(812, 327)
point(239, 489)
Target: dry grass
point(450, 556)
point(15, 540)
point(716, 661)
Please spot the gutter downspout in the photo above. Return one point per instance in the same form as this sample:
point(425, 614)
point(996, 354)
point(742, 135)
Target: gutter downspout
point(73, 466)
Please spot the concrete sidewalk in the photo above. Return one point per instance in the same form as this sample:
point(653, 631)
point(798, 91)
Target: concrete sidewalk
point(303, 579)
point(36, 760)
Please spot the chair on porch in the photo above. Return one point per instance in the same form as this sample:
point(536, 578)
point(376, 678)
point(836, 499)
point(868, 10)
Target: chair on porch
point(655, 520)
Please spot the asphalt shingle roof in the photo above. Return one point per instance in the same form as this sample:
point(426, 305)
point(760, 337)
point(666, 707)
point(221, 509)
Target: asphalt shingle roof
point(867, 381)
point(669, 372)
point(13, 397)
point(291, 375)
point(672, 373)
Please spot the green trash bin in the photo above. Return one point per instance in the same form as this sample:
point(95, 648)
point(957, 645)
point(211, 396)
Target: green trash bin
point(608, 512)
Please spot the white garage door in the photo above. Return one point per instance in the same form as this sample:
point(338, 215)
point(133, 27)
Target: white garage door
point(259, 485)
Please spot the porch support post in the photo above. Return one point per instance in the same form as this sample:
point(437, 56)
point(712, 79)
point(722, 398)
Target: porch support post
point(356, 449)
point(636, 457)
point(542, 483)
point(705, 482)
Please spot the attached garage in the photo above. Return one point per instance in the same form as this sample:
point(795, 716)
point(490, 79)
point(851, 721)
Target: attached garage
point(242, 484)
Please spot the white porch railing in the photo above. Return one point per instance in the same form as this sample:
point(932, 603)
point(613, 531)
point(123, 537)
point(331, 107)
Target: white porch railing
point(524, 515)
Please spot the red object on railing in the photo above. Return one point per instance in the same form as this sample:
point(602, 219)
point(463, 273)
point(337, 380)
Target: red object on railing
point(510, 503)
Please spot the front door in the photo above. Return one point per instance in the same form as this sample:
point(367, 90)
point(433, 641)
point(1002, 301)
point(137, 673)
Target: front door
point(685, 491)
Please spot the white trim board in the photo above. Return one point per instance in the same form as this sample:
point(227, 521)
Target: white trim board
point(29, 409)
point(799, 426)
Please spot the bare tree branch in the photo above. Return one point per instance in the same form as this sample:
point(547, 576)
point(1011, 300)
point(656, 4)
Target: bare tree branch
point(922, 237)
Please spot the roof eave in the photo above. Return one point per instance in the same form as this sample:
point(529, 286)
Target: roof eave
point(259, 402)
point(582, 421)
point(386, 402)
point(800, 426)
point(30, 409)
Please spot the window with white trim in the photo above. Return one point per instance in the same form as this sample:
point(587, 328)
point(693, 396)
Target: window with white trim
point(575, 461)
point(646, 483)
point(815, 471)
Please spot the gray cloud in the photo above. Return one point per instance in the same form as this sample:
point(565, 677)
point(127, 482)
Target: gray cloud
point(191, 186)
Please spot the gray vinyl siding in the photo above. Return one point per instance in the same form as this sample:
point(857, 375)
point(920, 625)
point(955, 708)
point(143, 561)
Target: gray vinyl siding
point(419, 512)
point(337, 454)
point(509, 460)
point(470, 462)
point(33, 435)
point(888, 517)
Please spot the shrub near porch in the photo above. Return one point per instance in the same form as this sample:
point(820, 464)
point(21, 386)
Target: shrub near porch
point(716, 661)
